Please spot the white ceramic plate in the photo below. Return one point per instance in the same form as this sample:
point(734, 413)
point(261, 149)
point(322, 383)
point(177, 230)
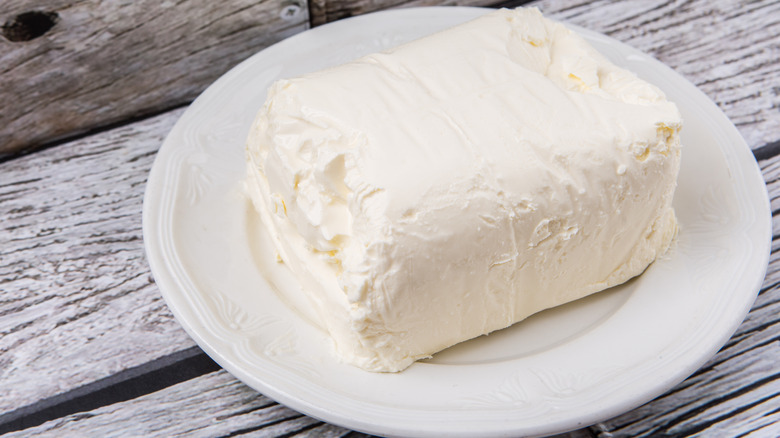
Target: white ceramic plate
point(563, 369)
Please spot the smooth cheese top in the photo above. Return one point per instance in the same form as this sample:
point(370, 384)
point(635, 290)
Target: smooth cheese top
point(452, 106)
point(467, 151)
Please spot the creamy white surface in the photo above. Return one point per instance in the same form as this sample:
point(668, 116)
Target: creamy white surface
point(455, 185)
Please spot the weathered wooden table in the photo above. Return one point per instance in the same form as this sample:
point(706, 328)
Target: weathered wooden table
point(88, 91)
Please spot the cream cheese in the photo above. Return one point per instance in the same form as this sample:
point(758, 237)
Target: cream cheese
point(457, 184)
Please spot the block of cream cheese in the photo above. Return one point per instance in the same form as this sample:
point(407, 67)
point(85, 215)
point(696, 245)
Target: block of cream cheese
point(457, 184)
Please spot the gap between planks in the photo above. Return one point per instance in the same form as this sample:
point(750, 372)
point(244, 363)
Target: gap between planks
point(125, 385)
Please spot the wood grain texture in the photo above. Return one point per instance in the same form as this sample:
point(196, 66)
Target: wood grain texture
point(78, 299)
point(325, 11)
point(213, 405)
point(104, 62)
point(124, 385)
point(729, 49)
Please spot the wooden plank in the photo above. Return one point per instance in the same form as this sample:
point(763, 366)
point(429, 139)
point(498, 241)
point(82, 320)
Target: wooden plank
point(214, 404)
point(78, 300)
point(325, 11)
point(124, 385)
point(730, 50)
point(105, 62)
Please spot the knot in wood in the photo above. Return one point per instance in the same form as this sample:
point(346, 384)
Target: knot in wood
point(29, 25)
point(290, 10)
